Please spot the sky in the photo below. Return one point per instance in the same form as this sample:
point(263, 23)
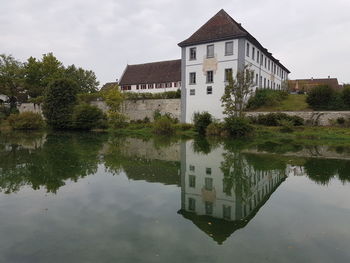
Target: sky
point(310, 37)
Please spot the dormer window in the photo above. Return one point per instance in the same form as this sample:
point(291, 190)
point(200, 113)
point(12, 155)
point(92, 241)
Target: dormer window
point(193, 53)
point(210, 51)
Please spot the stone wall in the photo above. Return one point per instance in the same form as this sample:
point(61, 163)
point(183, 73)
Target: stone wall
point(319, 118)
point(134, 110)
point(139, 109)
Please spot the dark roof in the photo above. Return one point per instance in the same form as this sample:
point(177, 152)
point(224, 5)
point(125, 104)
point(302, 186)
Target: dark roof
point(156, 72)
point(310, 83)
point(222, 27)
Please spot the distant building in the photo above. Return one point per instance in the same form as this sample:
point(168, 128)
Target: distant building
point(307, 84)
point(152, 77)
point(222, 47)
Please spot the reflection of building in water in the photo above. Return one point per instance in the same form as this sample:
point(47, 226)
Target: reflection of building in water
point(221, 191)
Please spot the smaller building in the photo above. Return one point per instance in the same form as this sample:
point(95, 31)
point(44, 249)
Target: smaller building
point(304, 85)
point(152, 77)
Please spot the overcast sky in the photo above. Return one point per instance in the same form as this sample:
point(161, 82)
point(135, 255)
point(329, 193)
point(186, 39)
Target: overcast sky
point(310, 37)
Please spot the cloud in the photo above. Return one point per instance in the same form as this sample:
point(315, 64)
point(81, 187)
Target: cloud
point(309, 37)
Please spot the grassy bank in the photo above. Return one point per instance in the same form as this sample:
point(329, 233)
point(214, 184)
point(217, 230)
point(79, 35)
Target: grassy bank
point(293, 102)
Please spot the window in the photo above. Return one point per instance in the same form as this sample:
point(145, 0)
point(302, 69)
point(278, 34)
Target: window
point(192, 92)
point(262, 59)
point(268, 83)
point(143, 86)
point(193, 53)
point(192, 168)
point(228, 72)
point(264, 82)
point(229, 48)
point(150, 86)
point(192, 181)
point(210, 51)
point(256, 80)
point(269, 65)
point(210, 76)
point(260, 81)
point(193, 78)
point(175, 84)
point(265, 62)
point(209, 90)
point(248, 48)
point(258, 56)
point(208, 171)
point(208, 208)
point(137, 87)
point(209, 184)
point(226, 212)
point(191, 204)
point(253, 53)
point(158, 86)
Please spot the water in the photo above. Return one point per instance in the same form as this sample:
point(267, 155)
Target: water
point(73, 197)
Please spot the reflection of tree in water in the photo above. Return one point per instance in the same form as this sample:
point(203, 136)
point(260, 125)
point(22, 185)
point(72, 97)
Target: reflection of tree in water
point(322, 171)
point(63, 156)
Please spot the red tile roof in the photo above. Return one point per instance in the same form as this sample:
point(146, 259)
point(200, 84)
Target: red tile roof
point(223, 27)
point(156, 72)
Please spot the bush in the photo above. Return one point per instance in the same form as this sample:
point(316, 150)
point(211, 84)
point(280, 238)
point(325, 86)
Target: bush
point(238, 126)
point(274, 119)
point(286, 125)
point(214, 129)
point(266, 97)
point(346, 96)
point(147, 95)
point(87, 117)
point(201, 121)
point(117, 120)
point(184, 126)
point(26, 121)
point(59, 103)
point(164, 125)
point(325, 98)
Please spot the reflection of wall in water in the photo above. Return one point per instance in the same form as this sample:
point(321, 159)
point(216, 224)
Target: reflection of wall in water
point(202, 186)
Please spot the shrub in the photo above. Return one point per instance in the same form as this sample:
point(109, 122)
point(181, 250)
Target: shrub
point(273, 119)
point(286, 125)
point(238, 126)
point(26, 121)
point(59, 102)
point(214, 129)
point(266, 97)
point(117, 120)
point(323, 98)
point(184, 126)
point(340, 121)
point(201, 121)
point(164, 125)
point(87, 117)
point(156, 114)
point(346, 96)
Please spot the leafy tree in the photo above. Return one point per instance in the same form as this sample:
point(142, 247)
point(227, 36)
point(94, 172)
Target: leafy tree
point(87, 117)
point(237, 92)
point(86, 79)
point(59, 101)
point(346, 95)
point(11, 78)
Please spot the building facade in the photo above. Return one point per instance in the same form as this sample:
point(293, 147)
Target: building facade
point(153, 77)
point(219, 48)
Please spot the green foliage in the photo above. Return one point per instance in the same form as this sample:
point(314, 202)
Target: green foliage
point(346, 96)
point(26, 121)
point(184, 126)
point(114, 99)
point(86, 79)
point(237, 92)
point(59, 101)
point(87, 117)
point(37, 100)
point(164, 126)
point(325, 98)
point(157, 114)
point(201, 121)
point(238, 126)
point(5, 111)
point(215, 129)
point(148, 95)
point(89, 97)
point(274, 119)
point(117, 120)
point(286, 125)
point(266, 97)
point(11, 78)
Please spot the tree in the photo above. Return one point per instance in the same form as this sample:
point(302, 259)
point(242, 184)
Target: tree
point(114, 100)
point(86, 79)
point(11, 78)
point(59, 101)
point(237, 91)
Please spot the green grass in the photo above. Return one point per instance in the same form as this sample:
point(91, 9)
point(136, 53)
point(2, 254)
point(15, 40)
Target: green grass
point(294, 102)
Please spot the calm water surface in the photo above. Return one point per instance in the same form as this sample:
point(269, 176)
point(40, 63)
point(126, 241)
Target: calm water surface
point(71, 197)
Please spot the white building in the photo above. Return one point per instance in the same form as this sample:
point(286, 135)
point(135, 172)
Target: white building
point(221, 47)
point(153, 77)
